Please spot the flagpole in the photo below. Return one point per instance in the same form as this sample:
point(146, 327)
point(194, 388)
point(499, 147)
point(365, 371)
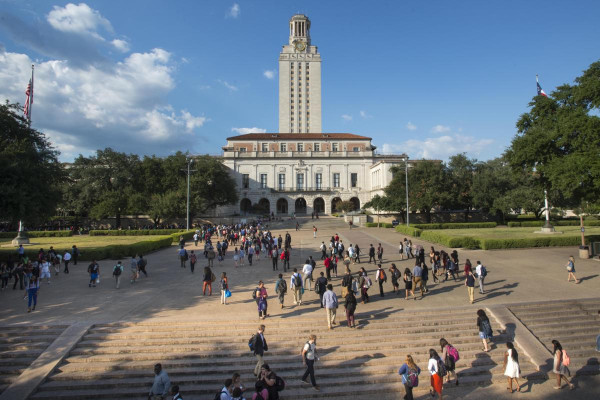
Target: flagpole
point(31, 95)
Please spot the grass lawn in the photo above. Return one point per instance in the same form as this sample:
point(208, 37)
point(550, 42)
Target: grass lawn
point(514, 233)
point(82, 242)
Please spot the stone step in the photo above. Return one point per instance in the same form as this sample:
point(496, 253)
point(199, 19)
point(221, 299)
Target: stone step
point(554, 331)
point(571, 319)
point(16, 338)
point(19, 353)
point(24, 346)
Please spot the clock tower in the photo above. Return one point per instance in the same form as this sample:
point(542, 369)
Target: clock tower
point(299, 81)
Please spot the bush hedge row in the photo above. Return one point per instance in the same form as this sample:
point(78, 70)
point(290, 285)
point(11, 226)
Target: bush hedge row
point(450, 241)
point(134, 232)
point(408, 230)
point(12, 235)
point(381, 225)
point(113, 251)
point(187, 235)
point(542, 241)
point(534, 224)
point(456, 225)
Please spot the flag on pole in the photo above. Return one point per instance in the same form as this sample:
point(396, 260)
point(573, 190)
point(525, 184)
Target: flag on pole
point(540, 91)
point(28, 100)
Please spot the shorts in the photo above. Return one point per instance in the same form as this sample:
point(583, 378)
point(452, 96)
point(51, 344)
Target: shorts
point(483, 335)
point(93, 277)
point(45, 274)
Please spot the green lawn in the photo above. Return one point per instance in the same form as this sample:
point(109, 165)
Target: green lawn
point(513, 233)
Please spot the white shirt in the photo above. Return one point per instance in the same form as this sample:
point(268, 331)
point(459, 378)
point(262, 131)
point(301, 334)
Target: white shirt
point(67, 256)
point(478, 270)
point(310, 351)
point(351, 251)
point(226, 395)
point(45, 266)
point(433, 366)
point(307, 269)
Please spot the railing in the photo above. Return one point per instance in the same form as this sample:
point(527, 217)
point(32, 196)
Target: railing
point(304, 189)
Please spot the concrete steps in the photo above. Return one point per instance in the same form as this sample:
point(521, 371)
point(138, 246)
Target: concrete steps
point(115, 360)
point(574, 323)
point(20, 346)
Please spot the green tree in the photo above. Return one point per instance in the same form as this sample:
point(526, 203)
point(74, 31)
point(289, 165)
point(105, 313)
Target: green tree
point(492, 181)
point(345, 206)
point(31, 173)
point(559, 139)
point(461, 171)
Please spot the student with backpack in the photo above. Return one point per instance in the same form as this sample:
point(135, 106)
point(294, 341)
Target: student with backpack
point(561, 365)
point(450, 357)
point(485, 328)
point(437, 369)
point(281, 289)
point(309, 356)
point(381, 278)
point(410, 376)
point(117, 271)
point(258, 346)
point(296, 285)
point(481, 272)
point(193, 260)
point(321, 286)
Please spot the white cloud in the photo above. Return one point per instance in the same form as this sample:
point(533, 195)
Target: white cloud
point(441, 147)
point(79, 19)
point(121, 45)
point(347, 117)
point(234, 11)
point(244, 131)
point(228, 85)
point(364, 114)
point(440, 129)
point(410, 126)
point(270, 73)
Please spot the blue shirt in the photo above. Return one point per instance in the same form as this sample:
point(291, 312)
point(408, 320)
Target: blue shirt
point(417, 271)
point(330, 299)
point(404, 370)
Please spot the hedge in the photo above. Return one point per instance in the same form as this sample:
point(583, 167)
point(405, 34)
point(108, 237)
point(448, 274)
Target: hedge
point(542, 241)
point(450, 241)
point(12, 235)
point(134, 232)
point(408, 230)
point(186, 235)
point(381, 225)
point(534, 224)
point(114, 251)
point(456, 225)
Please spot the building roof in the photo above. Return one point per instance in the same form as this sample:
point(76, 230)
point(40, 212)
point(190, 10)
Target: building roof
point(298, 136)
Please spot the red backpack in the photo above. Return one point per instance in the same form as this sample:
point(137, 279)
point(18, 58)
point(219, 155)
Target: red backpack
point(452, 352)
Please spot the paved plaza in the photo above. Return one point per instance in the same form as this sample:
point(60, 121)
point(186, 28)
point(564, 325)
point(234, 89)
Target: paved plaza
point(172, 295)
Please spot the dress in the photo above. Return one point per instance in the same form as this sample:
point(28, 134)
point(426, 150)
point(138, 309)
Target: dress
point(558, 367)
point(512, 366)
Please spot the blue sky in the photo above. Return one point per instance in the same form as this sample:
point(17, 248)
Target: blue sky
point(430, 78)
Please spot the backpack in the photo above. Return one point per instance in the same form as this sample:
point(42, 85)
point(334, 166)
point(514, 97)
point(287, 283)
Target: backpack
point(251, 342)
point(453, 353)
point(283, 286)
point(218, 395)
point(483, 271)
point(566, 360)
point(279, 383)
point(382, 276)
point(412, 378)
point(254, 293)
point(441, 368)
point(367, 282)
point(282, 257)
point(297, 280)
point(117, 271)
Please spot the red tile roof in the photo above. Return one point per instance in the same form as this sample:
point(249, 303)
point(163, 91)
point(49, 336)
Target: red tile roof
point(298, 136)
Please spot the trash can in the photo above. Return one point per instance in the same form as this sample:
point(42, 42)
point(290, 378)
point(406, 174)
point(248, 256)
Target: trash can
point(595, 248)
point(584, 252)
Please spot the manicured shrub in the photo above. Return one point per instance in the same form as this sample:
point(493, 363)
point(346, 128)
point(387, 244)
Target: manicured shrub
point(381, 225)
point(542, 241)
point(186, 235)
point(33, 234)
point(450, 241)
point(456, 225)
point(408, 230)
point(568, 222)
point(134, 232)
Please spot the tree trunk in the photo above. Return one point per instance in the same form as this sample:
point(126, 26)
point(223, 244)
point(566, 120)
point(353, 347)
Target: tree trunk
point(467, 215)
point(428, 216)
point(118, 220)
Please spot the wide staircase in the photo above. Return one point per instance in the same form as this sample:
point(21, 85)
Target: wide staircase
point(20, 346)
point(574, 323)
point(115, 360)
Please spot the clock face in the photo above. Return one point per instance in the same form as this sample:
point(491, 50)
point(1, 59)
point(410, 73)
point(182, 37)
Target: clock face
point(300, 46)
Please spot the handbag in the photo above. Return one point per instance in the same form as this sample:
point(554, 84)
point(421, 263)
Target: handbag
point(227, 293)
point(344, 291)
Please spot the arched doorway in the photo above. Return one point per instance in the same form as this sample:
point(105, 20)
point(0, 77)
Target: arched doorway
point(264, 206)
point(319, 205)
point(300, 206)
point(245, 206)
point(282, 206)
point(334, 204)
point(356, 203)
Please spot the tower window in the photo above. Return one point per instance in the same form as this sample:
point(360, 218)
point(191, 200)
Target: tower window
point(265, 147)
point(300, 146)
point(283, 146)
point(317, 147)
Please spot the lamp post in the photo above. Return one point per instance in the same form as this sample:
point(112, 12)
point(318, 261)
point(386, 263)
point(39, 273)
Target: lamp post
point(190, 161)
point(406, 185)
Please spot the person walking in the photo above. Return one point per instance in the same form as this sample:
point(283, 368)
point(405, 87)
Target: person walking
point(94, 271)
point(410, 372)
point(485, 329)
point(296, 285)
point(261, 300)
point(193, 261)
point(236, 257)
point(183, 256)
point(134, 269)
point(560, 366)
point(66, 260)
point(350, 307)
point(307, 271)
point(371, 254)
point(511, 366)
point(470, 284)
point(327, 264)
point(380, 253)
point(450, 357)
point(250, 254)
point(33, 288)
point(161, 385)
point(323, 249)
point(314, 232)
point(396, 275)
point(142, 265)
point(330, 302)
point(408, 283)
point(401, 251)
point(242, 256)
point(207, 281)
point(281, 289)
point(425, 276)
point(309, 356)
point(380, 277)
point(321, 287)
point(571, 269)
point(417, 280)
point(435, 367)
point(286, 259)
point(481, 272)
point(117, 271)
point(356, 253)
point(44, 270)
point(224, 287)
point(75, 254)
point(364, 283)
point(259, 346)
point(275, 258)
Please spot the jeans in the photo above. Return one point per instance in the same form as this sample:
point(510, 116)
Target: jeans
point(32, 294)
point(481, 279)
point(408, 390)
point(286, 263)
point(310, 370)
point(250, 259)
point(192, 266)
point(66, 266)
point(381, 288)
point(118, 280)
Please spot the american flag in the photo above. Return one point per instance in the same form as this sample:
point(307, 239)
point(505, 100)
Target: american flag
point(28, 100)
point(540, 91)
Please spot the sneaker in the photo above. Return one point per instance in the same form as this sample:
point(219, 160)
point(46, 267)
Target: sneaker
point(316, 388)
point(303, 381)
